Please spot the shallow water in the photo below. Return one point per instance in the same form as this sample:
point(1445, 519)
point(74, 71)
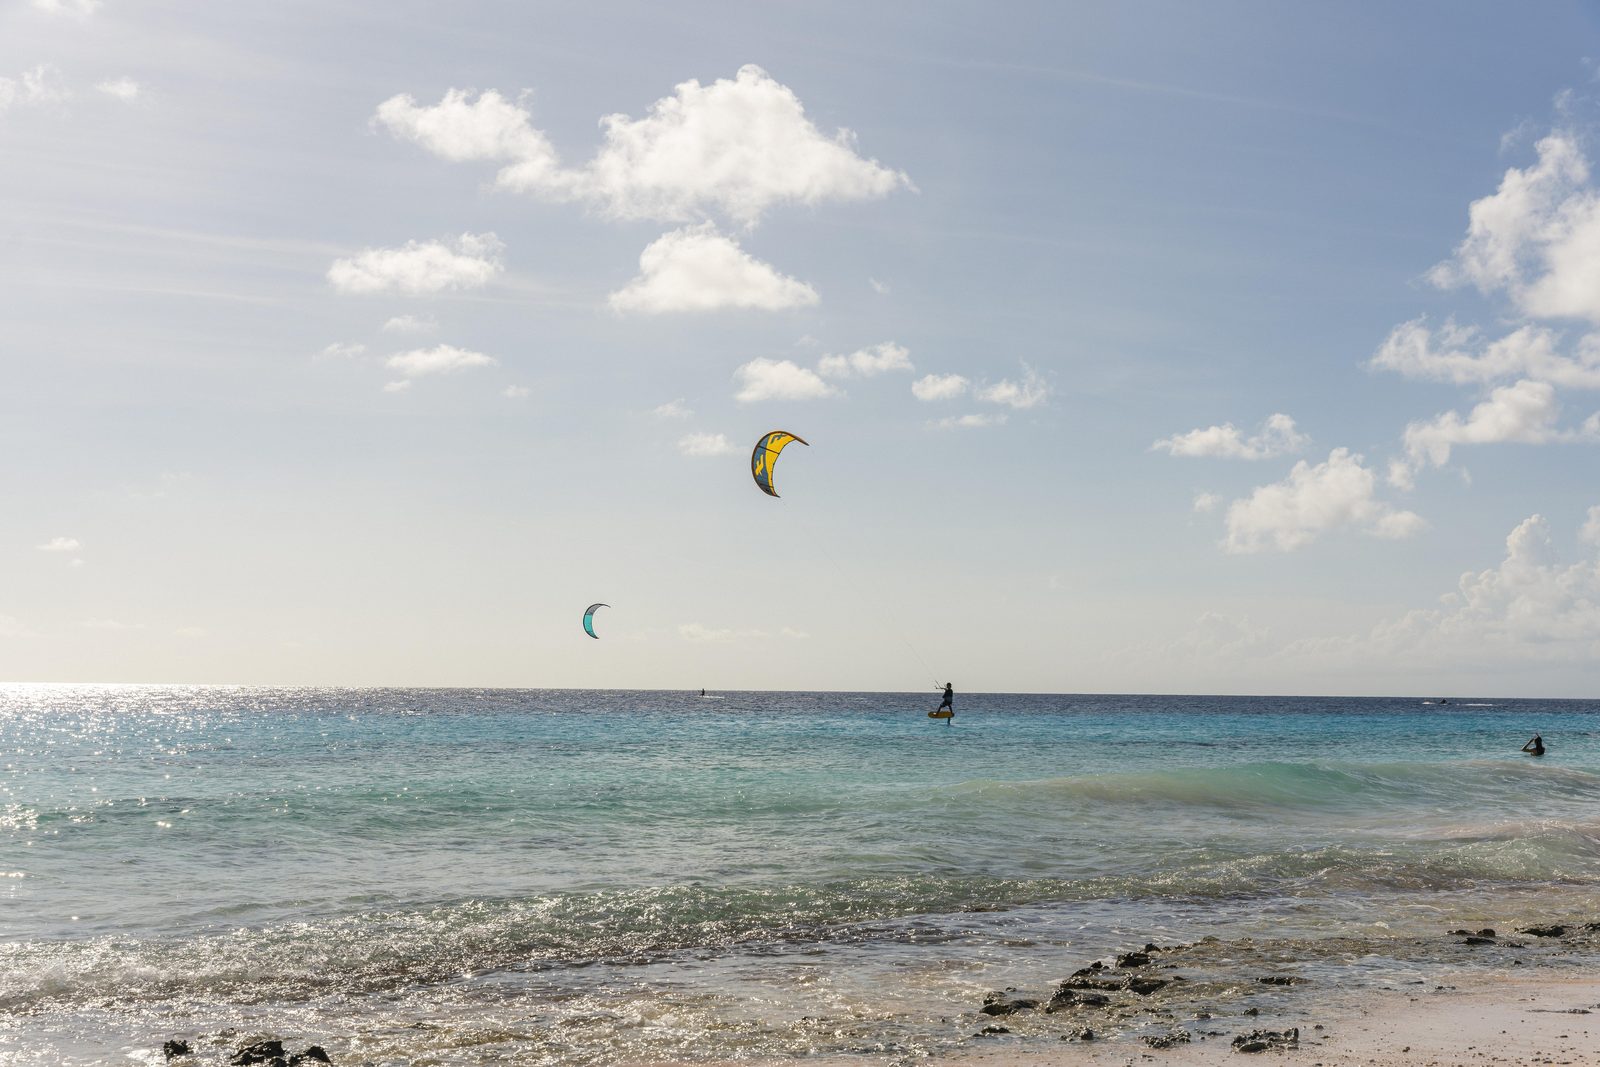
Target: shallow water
point(543, 876)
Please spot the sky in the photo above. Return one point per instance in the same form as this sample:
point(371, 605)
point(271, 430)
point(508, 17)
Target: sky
point(1138, 347)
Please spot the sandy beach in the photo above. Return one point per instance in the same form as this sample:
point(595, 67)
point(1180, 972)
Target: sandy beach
point(1519, 1022)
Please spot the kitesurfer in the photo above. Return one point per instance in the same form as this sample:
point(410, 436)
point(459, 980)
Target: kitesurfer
point(1535, 747)
point(949, 696)
point(702, 692)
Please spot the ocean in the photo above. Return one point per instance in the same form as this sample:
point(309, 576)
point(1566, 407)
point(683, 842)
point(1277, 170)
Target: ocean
point(540, 876)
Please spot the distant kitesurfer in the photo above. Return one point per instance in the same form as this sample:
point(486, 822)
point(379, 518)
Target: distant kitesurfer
point(1534, 747)
point(949, 697)
point(702, 692)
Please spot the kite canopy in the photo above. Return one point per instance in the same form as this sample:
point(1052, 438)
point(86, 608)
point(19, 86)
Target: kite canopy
point(588, 619)
point(765, 458)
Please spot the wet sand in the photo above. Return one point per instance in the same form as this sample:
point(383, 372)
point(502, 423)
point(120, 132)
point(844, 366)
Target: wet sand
point(1508, 1022)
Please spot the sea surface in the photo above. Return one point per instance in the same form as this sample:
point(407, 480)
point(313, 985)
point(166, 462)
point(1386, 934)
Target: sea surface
point(496, 876)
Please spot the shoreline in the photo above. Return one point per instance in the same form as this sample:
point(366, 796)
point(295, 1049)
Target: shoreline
point(1517, 1022)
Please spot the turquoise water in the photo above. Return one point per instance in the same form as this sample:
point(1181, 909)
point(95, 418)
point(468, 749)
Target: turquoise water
point(553, 876)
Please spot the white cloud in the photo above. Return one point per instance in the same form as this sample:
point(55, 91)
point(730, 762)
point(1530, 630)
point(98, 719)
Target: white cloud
point(939, 387)
point(878, 287)
point(1277, 437)
point(1530, 607)
point(1030, 392)
point(1525, 411)
point(672, 409)
point(420, 267)
point(701, 634)
point(440, 359)
point(78, 9)
point(736, 147)
point(397, 386)
point(779, 379)
point(40, 85)
point(60, 544)
point(1590, 533)
point(491, 128)
point(964, 422)
point(866, 362)
point(1460, 355)
point(1292, 513)
point(1537, 237)
point(124, 89)
point(706, 444)
point(407, 324)
point(694, 631)
point(698, 269)
point(343, 350)
point(1204, 502)
point(516, 392)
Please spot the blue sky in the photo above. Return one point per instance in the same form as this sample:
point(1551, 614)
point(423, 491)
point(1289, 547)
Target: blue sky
point(344, 344)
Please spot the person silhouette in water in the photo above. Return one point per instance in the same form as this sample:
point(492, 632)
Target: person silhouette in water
point(949, 696)
point(1534, 747)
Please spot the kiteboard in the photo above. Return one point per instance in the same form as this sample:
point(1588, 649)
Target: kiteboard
point(941, 714)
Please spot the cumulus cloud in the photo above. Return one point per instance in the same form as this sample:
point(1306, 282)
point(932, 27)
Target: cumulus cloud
point(1460, 354)
point(736, 147)
point(1590, 533)
point(1530, 607)
point(706, 444)
point(417, 268)
point(124, 89)
point(779, 379)
point(1028, 393)
point(1204, 502)
point(1537, 237)
point(672, 409)
point(408, 324)
point(699, 269)
point(441, 359)
point(1277, 437)
point(866, 362)
point(1313, 499)
point(397, 386)
point(966, 422)
point(39, 85)
point(343, 350)
point(60, 544)
point(516, 392)
point(1525, 411)
point(939, 387)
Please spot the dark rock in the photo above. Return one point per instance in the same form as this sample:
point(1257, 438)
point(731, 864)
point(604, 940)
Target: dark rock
point(177, 1047)
point(1280, 979)
point(1252, 1011)
point(261, 1052)
point(312, 1054)
point(1544, 931)
point(990, 1031)
point(1077, 998)
point(1477, 940)
point(1110, 985)
point(1152, 947)
point(1145, 986)
point(1459, 933)
point(1486, 932)
point(1086, 1034)
point(1262, 1040)
point(1133, 959)
point(1001, 1004)
point(1172, 1040)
